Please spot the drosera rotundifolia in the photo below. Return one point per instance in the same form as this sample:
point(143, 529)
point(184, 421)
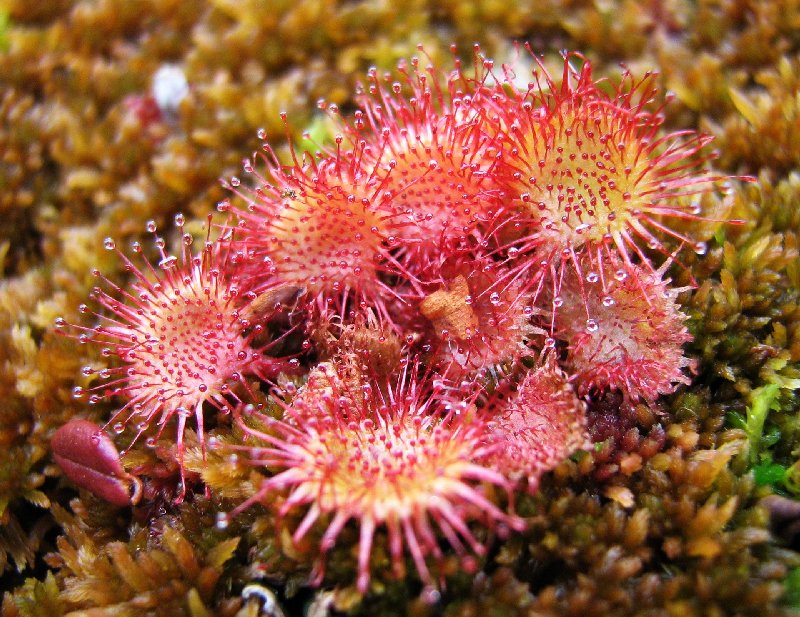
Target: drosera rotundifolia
point(407, 326)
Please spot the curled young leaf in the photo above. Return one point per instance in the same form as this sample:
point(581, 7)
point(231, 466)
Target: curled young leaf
point(88, 457)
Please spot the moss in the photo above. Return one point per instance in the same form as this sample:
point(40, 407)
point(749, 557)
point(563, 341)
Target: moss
point(660, 518)
point(768, 110)
point(588, 555)
point(157, 571)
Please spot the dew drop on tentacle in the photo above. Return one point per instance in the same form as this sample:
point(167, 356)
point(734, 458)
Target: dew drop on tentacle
point(169, 262)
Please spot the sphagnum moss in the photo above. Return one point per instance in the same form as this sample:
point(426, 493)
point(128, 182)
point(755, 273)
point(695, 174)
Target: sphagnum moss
point(85, 162)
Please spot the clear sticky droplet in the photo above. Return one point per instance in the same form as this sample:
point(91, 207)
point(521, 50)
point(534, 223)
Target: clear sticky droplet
point(430, 595)
point(591, 325)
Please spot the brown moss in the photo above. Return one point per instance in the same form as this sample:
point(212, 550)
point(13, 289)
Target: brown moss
point(158, 571)
point(659, 519)
point(764, 131)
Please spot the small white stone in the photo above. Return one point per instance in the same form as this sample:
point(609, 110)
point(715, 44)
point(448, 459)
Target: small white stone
point(170, 87)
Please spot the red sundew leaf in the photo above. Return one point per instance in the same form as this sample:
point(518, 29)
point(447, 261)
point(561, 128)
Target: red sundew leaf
point(543, 424)
point(633, 341)
point(394, 455)
point(88, 457)
point(179, 333)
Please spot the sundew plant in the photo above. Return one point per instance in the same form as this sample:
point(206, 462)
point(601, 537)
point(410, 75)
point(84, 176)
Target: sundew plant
point(394, 353)
point(453, 212)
